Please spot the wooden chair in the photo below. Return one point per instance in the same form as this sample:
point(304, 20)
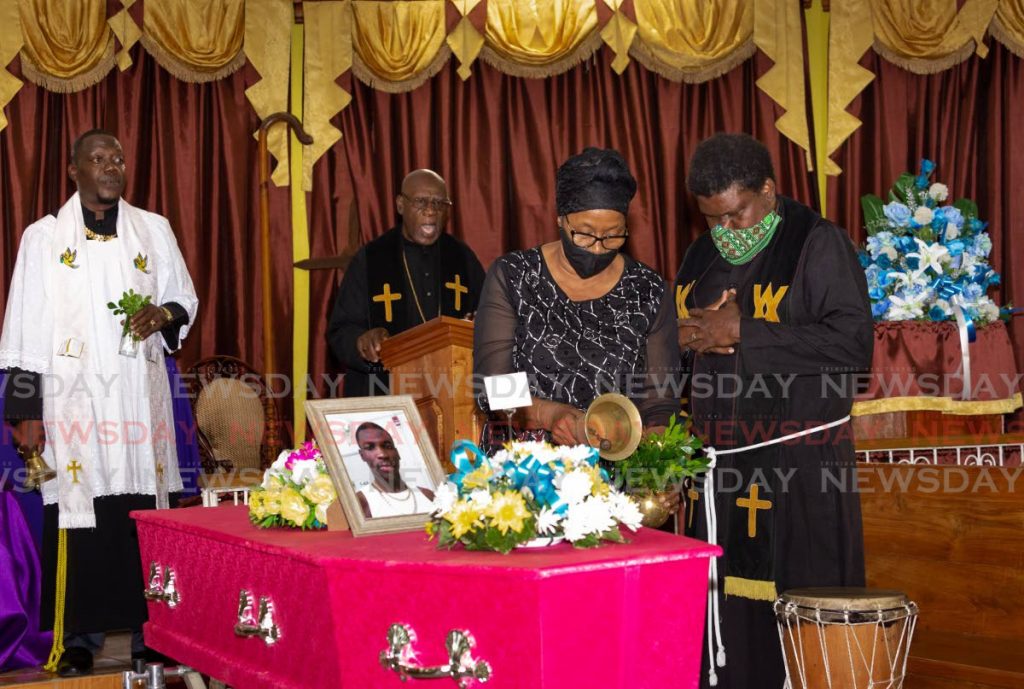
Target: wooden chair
point(238, 424)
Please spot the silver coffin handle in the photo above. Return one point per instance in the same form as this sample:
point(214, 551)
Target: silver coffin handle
point(461, 666)
point(261, 625)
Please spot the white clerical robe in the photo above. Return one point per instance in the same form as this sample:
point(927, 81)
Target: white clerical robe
point(108, 417)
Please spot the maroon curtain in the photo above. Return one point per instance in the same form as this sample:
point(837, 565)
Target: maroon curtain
point(967, 119)
point(497, 139)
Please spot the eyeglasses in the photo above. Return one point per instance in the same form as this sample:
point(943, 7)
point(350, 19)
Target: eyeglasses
point(585, 240)
point(421, 203)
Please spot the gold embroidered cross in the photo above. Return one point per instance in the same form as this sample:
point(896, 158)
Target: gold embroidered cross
point(387, 296)
point(160, 472)
point(694, 496)
point(753, 505)
point(459, 290)
point(73, 468)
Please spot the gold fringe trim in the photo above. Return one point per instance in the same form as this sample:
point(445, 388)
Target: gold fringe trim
point(643, 54)
point(1000, 33)
point(371, 79)
point(942, 404)
point(184, 71)
point(31, 71)
point(583, 52)
point(754, 589)
point(929, 65)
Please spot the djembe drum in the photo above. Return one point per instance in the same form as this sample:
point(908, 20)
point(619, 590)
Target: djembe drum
point(845, 638)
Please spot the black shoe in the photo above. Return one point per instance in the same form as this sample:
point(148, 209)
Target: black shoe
point(75, 662)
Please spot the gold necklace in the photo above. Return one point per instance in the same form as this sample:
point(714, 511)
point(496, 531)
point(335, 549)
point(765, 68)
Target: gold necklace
point(89, 234)
point(415, 298)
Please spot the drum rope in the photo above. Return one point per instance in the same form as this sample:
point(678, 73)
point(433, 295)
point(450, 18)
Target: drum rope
point(711, 517)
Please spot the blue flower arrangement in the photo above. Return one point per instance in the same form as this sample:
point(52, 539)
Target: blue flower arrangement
point(922, 258)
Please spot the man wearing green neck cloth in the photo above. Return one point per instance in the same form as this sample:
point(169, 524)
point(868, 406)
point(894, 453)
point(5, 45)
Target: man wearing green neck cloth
point(774, 321)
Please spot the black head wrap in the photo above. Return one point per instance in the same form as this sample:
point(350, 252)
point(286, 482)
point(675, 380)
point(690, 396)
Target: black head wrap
point(597, 178)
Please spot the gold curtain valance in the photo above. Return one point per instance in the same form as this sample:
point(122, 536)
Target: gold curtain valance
point(398, 45)
point(195, 40)
point(693, 40)
point(67, 46)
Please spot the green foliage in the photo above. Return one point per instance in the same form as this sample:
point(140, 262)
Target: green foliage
point(663, 459)
point(903, 189)
point(874, 215)
point(129, 305)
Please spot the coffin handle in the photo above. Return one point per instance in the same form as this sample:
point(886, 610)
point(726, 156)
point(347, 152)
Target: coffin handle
point(261, 625)
point(461, 666)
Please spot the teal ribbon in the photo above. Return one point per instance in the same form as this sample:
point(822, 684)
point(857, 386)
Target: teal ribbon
point(461, 450)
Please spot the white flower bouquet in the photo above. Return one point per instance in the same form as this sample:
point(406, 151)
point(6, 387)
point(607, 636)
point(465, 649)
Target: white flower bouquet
point(529, 492)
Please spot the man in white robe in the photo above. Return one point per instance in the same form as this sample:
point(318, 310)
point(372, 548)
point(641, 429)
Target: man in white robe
point(95, 402)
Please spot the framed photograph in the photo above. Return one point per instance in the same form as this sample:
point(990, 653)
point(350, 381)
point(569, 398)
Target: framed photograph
point(381, 460)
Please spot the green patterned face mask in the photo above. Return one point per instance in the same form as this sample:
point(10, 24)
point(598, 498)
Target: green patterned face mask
point(740, 245)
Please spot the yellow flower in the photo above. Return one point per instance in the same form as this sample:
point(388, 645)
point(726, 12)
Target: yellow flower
point(507, 511)
point(293, 507)
point(478, 478)
point(272, 500)
point(321, 512)
point(319, 491)
point(599, 488)
point(464, 517)
point(256, 507)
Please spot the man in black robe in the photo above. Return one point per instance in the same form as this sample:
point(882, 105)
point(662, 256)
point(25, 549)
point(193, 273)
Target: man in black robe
point(774, 322)
point(411, 274)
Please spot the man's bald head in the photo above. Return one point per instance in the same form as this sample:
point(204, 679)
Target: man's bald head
point(424, 206)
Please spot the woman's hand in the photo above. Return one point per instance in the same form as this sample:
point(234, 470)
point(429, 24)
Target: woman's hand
point(567, 428)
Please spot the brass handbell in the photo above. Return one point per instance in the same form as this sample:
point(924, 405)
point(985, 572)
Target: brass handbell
point(613, 426)
point(38, 471)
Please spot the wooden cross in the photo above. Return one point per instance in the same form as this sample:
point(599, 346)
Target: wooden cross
point(73, 468)
point(459, 290)
point(753, 505)
point(160, 472)
point(694, 496)
point(387, 296)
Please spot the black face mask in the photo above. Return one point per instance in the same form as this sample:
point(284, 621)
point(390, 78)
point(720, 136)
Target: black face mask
point(585, 263)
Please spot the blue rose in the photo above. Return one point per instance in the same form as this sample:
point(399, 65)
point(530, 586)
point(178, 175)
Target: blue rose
point(977, 225)
point(936, 313)
point(906, 244)
point(973, 292)
point(913, 262)
point(921, 182)
point(897, 213)
point(927, 166)
point(939, 218)
point(883, 262)
point(864, 259)
point(954, 215)
point(879, 308)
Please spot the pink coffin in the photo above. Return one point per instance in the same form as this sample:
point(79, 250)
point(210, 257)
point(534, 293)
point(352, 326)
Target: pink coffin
point(625, 616)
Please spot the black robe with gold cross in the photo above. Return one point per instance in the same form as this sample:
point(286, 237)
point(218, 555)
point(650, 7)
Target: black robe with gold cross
point(788, 514)
point(376, 293)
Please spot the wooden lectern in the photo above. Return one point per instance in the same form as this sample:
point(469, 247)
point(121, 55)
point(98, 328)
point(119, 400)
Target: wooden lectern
point(433, 362)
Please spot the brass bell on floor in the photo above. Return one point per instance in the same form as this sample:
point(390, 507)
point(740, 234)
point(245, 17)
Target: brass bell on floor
point(38, 471)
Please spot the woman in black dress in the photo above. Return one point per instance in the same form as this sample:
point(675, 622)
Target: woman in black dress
point(577, 315)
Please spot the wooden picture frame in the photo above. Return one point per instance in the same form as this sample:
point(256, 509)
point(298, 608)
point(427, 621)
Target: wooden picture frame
point(364, 441)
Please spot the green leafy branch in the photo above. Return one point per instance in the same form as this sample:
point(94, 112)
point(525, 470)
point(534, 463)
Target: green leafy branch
point(129, 305)
point(664, 459)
